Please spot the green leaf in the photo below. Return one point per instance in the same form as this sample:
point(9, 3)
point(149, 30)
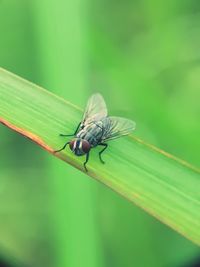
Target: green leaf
point(164, 186)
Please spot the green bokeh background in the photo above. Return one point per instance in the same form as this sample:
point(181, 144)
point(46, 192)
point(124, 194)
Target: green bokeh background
point(144, 57)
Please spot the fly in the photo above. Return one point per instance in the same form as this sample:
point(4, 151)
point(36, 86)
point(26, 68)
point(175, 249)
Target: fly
point(96, 128)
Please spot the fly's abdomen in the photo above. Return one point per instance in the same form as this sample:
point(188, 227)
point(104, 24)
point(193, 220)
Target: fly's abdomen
point(92, 133)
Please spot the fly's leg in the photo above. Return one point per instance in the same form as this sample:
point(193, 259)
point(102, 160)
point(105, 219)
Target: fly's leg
point(61, 148)
point(105, 146)
point(86, 160)
point(65, 135)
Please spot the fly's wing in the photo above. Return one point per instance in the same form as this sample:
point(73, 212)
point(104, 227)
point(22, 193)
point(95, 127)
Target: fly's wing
point(115, 127)
point(95, 109)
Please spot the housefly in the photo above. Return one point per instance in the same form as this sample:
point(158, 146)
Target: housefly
point(96, 128)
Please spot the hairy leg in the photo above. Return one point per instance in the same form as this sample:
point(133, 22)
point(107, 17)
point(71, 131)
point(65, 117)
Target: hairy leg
point(105, 146)
point(61, 148)
point(86, 160)
point(65, 135)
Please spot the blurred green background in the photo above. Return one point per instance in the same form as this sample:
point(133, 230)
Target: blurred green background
point(144, 57)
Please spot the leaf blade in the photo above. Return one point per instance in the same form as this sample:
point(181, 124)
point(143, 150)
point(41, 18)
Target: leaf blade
point(161, 184)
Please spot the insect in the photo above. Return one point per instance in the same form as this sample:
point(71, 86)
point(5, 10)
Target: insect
point(96, 128)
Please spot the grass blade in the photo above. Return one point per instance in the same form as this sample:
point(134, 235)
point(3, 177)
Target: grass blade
point(166, 187)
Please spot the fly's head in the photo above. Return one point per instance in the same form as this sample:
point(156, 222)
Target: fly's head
point(79, 146)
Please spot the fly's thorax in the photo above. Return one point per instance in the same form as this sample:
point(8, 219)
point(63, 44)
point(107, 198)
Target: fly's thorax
point(91, 133)
point(79, 146)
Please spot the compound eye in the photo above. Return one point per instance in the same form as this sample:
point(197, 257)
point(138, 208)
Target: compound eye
point(85, 146)
point(71, 145)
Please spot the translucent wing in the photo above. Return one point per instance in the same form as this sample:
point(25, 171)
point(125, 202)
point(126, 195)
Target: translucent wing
point(95, 109)
point(116, 127)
